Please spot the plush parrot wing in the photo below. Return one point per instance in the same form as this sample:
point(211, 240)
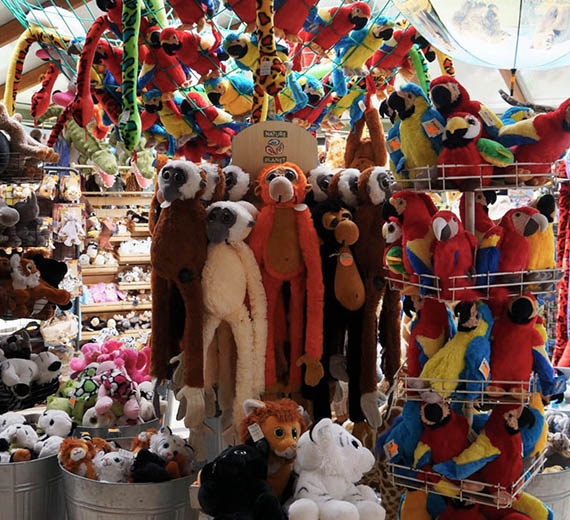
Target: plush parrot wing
point(418, 253)
point(494, 153)
point(422, 455)
point(393, 146)
point(470, 460)
point(444, 367)
point(241, 84)
point(532, 434)
point(433, 126)
point(489, 254)
point(395, 260)
point(519, 133)
point(543, 367)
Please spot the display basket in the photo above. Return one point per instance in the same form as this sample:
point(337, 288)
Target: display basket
point(20, 168)
point(38, 394)
point(117, 432)
point(541, 282)
point(497, 496)
point(475, 177)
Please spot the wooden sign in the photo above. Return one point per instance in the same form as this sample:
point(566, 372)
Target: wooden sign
point(274, 142)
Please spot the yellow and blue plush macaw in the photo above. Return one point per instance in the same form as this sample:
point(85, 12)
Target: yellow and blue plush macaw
point(243, 49)
point(233, 93)
point(515, 114)
point(351, 99)
point(466, 356)
point(417, 505)
point(420, 129)
point(534, 434)
point(393, 145)
point(297, 94)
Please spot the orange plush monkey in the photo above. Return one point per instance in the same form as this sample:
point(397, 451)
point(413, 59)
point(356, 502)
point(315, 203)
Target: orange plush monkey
point(286, 247)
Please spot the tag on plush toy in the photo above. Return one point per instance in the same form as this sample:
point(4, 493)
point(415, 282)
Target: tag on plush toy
point(346, 259)
point(391, 449)
point(125, 453)
point(485, 369)
point(265, 67)
point(301, 207)
point(432, 127)
point(487, 117)
point(256, 432)
point(393, 144)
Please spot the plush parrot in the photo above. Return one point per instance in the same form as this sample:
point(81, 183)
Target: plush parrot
point(541, 139)
point(534, 434)
point(483, 199)
point(515, 331)
point(155, 111)
point(393, 145)
point(330, 25)
point(245, 52)
point(245, 11)
point(505, 247)
point(110, 56)
point(515, 114)
point(495, 457)
point(192, 12)
point(466, 153)
point(449, 97)
point(353, 51)
point(393, 253)
point(421, 129)
point(542, 243)
point(453, 255)
point(233, 93)
point(290, 15)
point(466, 356)
point(457, 509)
point(432, 329)
point(415, 211)
point(319, 97)
point(444, 436)
point(524, 504)
point(195, 51)
point(352, 98)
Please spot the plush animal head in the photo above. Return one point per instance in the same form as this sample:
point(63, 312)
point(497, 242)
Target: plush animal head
point(142, 440)
point(344, 185)
point(375, 185)
point(357, 13)
point(11, 418)
point(18, 374)
point(92, 419)
point(405, 100)
point(525, 221)
point(334, 225)
point(16, 345)
point(18, 436)
point(8, 216)
point(320, 178)
point(446, 225)
point(170, 40)
point(113, 467)
point(24, 273)
point(392, 231)
point(215, 182)
point(461, 129)
point(413, 206)
point(385, 110)
point(434, 415)
point(167, 445)
point(49, 366)
point(281, 422)
point(28, 209)
point(55, 422)
point(523, 310)
point(73, 452)
point(447, 94)
point(237, 182)
point(327, 448)
point(230, 221)
point(236, 45)
point(180, 180)
point(468, 316)
point(48, 447)
point(283, 185)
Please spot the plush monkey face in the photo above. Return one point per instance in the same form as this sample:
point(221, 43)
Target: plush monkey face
point(180, 180)
point(319, 179)
point(237, 182)
point(379, 185)
point(229, 221)
point(348, 186)
point(282, 184)
point(341, 224)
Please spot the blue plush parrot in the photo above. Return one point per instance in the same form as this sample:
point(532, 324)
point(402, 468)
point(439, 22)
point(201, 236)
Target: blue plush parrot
point(233, 93)
point(515, 114)
point(535, 432)
point(466, 356)
point(244, 50)
point(421, 128)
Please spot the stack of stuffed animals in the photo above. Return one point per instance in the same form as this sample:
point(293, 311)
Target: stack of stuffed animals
point(109, 386)
point(153, 456)
point(470, 144)
point(21, 441)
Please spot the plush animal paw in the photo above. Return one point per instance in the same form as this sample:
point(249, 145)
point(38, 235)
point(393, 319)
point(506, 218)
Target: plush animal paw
point(314, 369)
point(369, 405)
point(304, 509)
point(195, 405)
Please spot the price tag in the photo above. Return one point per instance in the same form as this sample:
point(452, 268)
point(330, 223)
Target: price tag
point(393, 144)
point(265, 67)
point(487, 117)
point(255, 432)
point(125, 116)
point(346, 259)
point(485, 369)
point(433, 127)
point(391, 449)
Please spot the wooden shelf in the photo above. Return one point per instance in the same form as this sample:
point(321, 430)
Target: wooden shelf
point(95, 308)
point(139, 229)
point(91, 269)
point(134, 259)
point(120, 238)
point(135, 332)
point(141, 286)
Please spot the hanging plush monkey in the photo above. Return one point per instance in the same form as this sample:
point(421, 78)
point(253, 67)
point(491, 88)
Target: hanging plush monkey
point(285, 245)
point(344, 303)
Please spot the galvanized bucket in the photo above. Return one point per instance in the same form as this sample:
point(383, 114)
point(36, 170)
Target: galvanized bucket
point(553, 488)
point(116, 432)
point(31, 490)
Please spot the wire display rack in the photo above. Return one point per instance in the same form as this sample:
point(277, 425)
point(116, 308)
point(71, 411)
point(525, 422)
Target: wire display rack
point(466, 490)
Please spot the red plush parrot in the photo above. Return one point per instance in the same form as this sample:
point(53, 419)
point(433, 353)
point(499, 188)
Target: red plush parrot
point(192, 12)
point(458, 510)
point(482, 221)
point(541, 139)
point(289, 18)
point(193, 50)
point(416, 211)
point(453, 250)
point(111, 57)
point(245, 11)
point(514, 331)
point(333, 24)
point(466, 153)
point(393, 253)
point(431, 329)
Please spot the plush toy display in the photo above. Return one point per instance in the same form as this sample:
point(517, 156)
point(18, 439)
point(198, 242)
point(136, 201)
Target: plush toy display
point(76, 456)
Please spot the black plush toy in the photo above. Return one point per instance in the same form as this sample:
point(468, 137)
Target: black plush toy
point(149, 467)
point(234, 485)
point(16, 345)
point(52, 272)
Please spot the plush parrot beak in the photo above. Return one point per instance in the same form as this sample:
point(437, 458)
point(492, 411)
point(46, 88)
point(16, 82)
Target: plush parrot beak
point(441, 229)
point(455, 124)
point(537, 222)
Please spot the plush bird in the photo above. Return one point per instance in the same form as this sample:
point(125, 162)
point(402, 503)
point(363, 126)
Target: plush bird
point(466, 153)
point(290, 15)
point(156, 111)
point(450, 97)
point(393, 145)
point(461, 509)
point(541, 139)
point(431, 330)
point(233, 93)
point(542, 243)
point(326, 29)
point(453, 255)
point(197, 52)
point(393, 253)
point(525, 506)
point(495, 457)
point(505, 247)
point(534, 434)
point(515, 331)
point(245, 11)
point(444, 435)
point(191, 12)
point(110, 56)
point(245, 52)
point(466, 356)
point(515, 114)
point(416, 211)
point(421, 129)
point(482, 221)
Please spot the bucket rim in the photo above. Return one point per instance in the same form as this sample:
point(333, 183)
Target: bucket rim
point(6, 464)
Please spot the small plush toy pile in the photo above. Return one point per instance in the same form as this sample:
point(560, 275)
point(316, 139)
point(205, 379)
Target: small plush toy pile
point(25, 378)
point(20, 224)
point(109, 386)
point(423, 243)
point(21, 441)
point(153, 456)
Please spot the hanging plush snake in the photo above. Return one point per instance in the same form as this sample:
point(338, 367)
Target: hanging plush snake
point(42, 98)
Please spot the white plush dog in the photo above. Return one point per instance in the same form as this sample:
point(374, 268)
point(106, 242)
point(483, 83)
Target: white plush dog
point(329, 461)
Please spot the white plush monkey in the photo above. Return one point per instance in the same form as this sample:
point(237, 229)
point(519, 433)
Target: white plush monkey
point(237, 182)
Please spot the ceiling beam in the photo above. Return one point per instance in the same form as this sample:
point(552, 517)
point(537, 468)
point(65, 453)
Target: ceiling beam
point(11, 31)
point(517, 91)
point(29, 79)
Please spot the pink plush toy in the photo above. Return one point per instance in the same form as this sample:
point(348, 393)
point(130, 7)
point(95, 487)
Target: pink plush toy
point(116, 385)
point(136, 364)
point(90, 353)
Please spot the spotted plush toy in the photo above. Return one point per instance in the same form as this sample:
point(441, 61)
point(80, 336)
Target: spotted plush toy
point(117, 386)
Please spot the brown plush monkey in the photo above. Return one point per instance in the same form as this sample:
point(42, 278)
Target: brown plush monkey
point(370, 151)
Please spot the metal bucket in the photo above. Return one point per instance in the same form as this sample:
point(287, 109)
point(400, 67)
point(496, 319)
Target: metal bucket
point(31, 490)
point(553, 488)
point(116, 432)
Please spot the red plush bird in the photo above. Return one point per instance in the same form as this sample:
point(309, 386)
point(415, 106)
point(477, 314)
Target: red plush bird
point(514, 337)
point(192, 12)
point(111, 57)
point(393, 253)
point(453, 250)
point(245, 11)
point(196, 52)
point(482, 221)
point(289, 18)
point(461, 510)
point(449, 96)
point(335, 23)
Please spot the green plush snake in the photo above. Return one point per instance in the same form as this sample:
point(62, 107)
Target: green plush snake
point(130, 126)
point(420, 68)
